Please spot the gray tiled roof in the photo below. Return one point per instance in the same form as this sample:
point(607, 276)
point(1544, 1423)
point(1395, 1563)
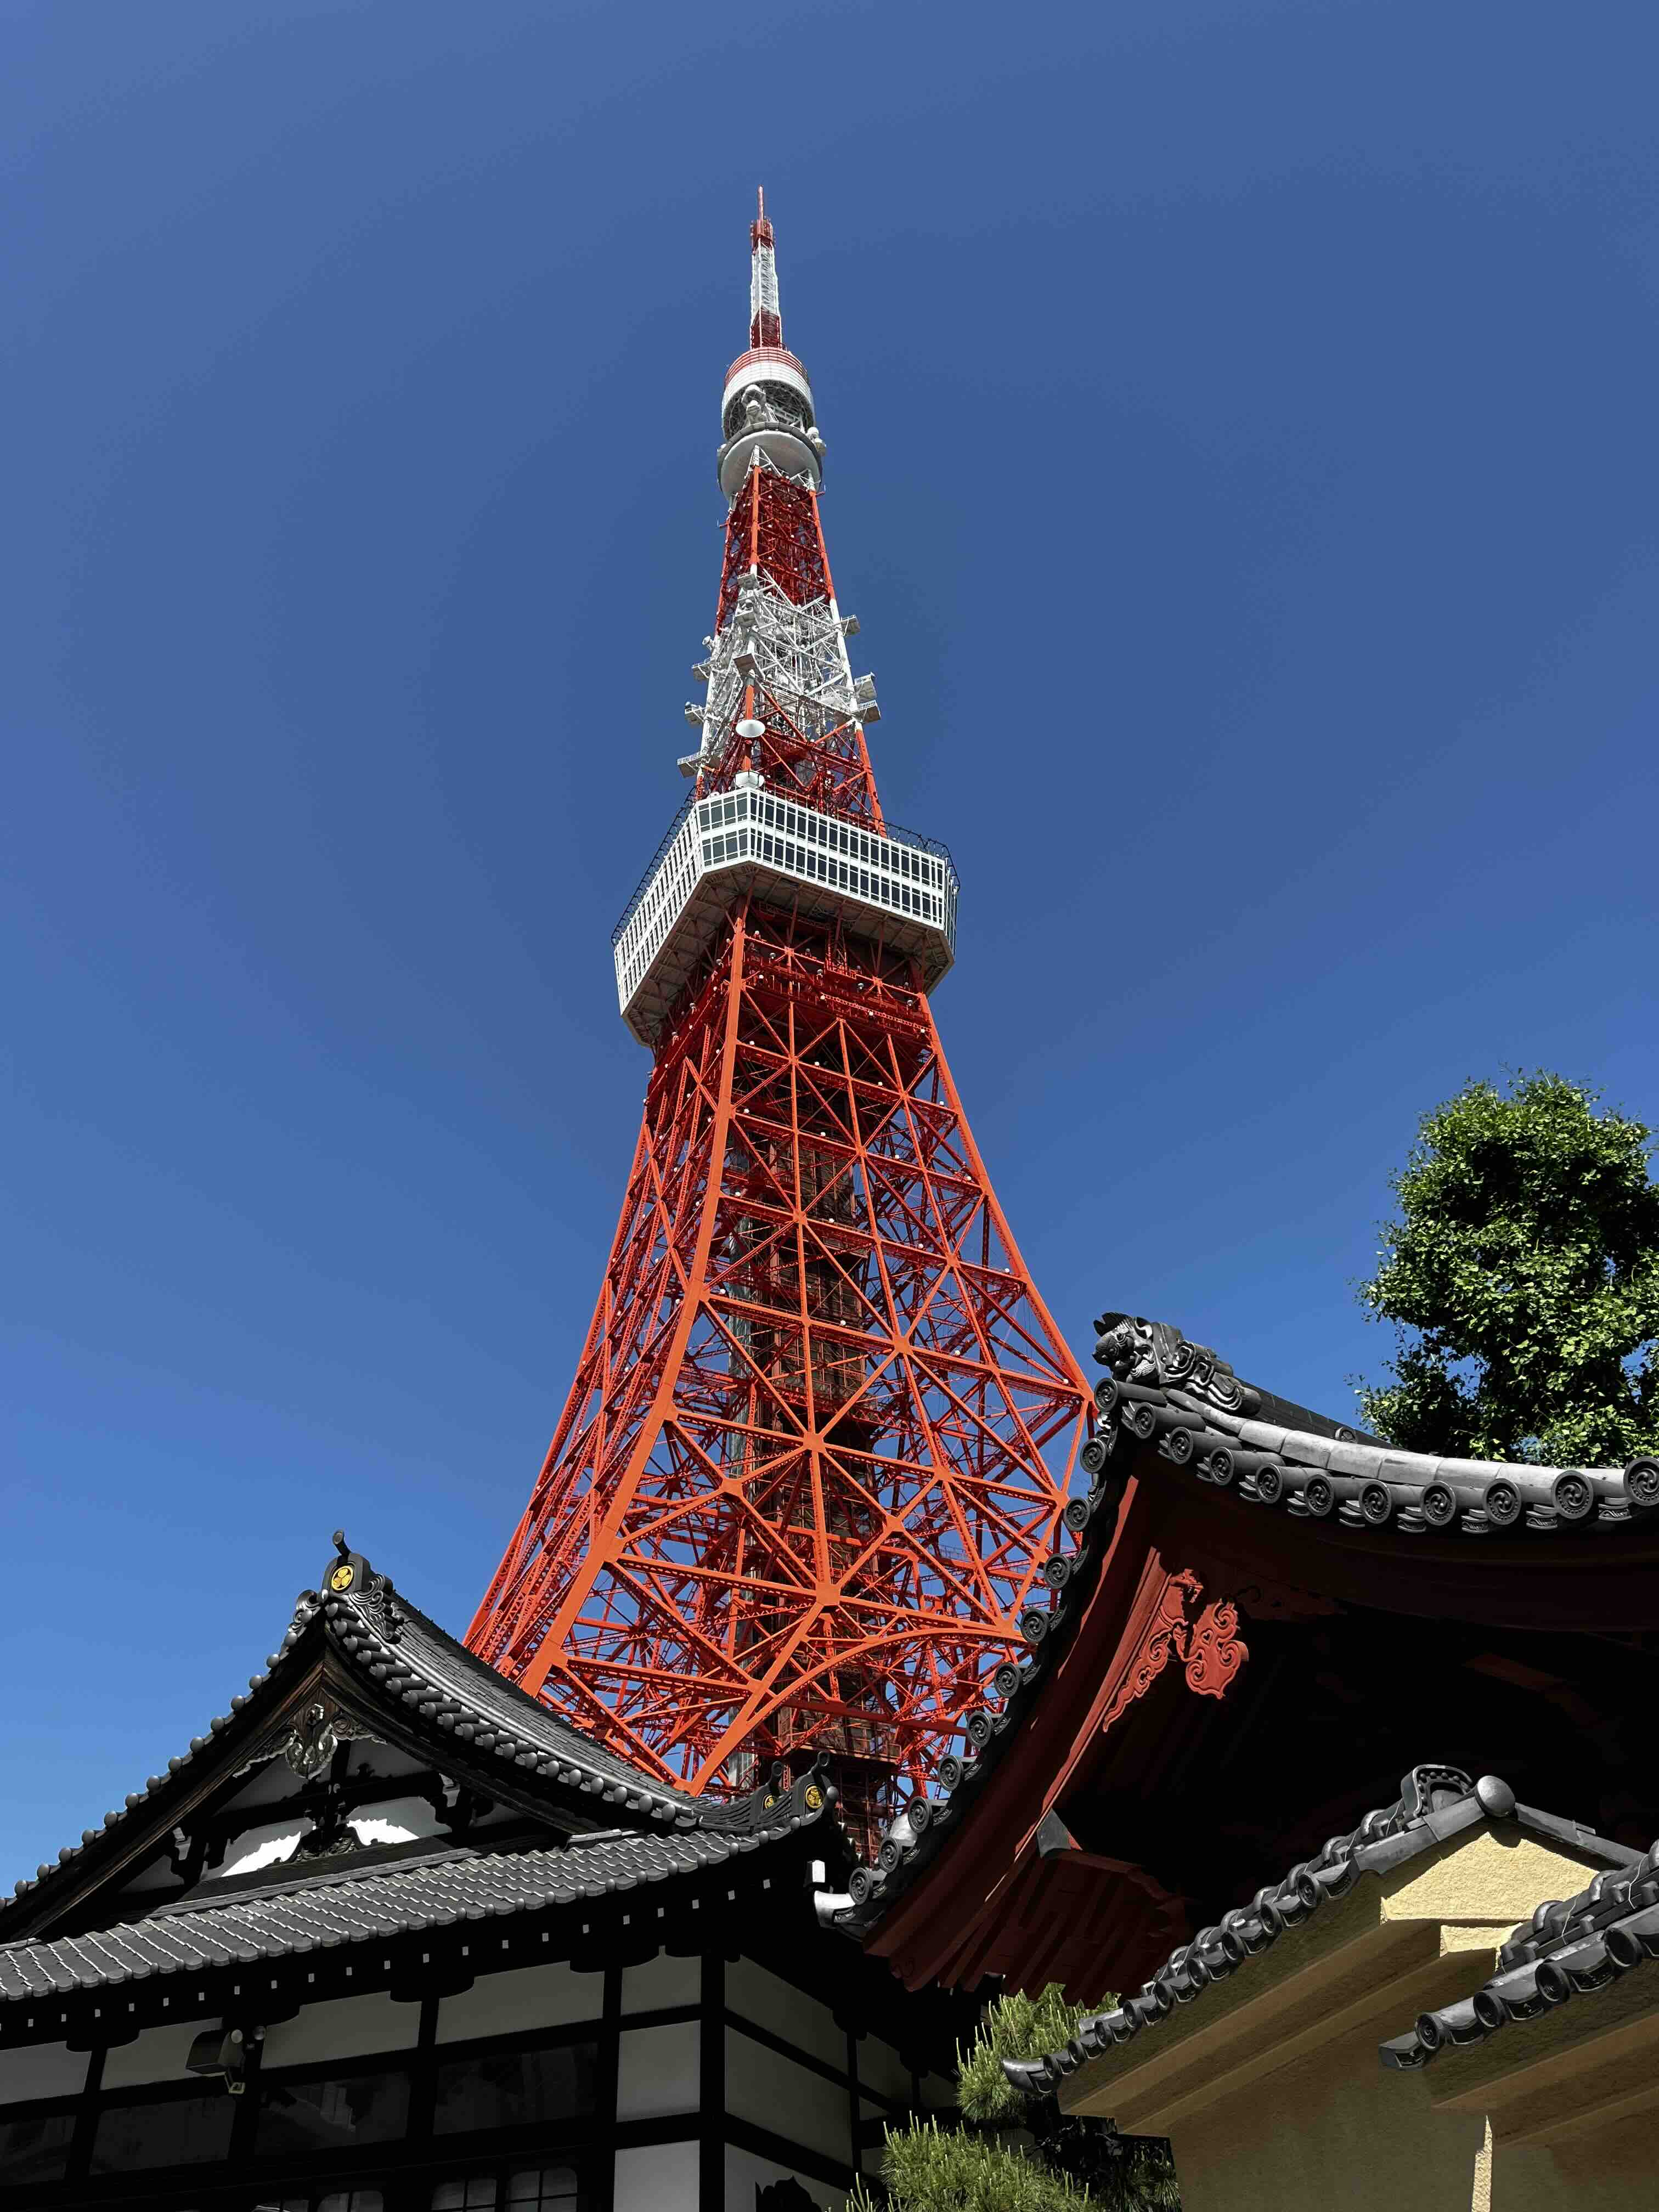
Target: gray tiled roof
point(1194, 1413)
point(1434, 1803)
point(1570, 1947)
point(398, 1654)
point(1203, 1418)
point(324, 1911)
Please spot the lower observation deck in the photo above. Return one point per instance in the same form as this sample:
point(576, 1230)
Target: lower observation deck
point(900, 889)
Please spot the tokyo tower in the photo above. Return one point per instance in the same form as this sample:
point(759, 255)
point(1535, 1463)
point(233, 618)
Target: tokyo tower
point(815, 1457)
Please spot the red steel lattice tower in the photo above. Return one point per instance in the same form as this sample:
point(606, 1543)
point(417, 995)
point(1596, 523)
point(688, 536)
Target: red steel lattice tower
point(817, 1452)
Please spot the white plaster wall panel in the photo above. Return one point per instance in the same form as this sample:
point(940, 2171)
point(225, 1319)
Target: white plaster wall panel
point(156, 2054)
point(554, 1996)
point(657, 2071)
point(273, 1844)
point(660, 2177)
point(41, 2070)
point(395, 1820)
point(770, 2001)
point(774, 2093)
point(938, 2089)
point(745, 2173)
point(881, 2068)
point(661, 1982)
point(342, 2027)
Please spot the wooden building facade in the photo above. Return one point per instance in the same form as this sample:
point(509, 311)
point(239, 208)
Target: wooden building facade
point(390, 1937)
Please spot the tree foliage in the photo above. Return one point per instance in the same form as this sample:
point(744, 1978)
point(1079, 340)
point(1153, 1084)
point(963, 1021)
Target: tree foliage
point(929, 2168)
point(1051, 2164)
point(1523, 1280)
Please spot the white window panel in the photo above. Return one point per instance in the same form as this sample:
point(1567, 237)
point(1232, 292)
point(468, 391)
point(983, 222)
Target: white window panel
point(659, 1982)
point(658, 2177)
point(342, 2027)
point(771, 2002)
point(771, 2091)
point(42, 2070)
point(554, 1996)
point(657, 2071)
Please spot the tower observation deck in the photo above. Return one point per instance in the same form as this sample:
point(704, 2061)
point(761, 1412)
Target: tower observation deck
point(806, 1491)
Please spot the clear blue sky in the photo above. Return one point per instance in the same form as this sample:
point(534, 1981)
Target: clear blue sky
point(1242, 459)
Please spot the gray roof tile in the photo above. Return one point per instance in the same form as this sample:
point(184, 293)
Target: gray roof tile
point(399, 1654)
point(1435, 1804)
point(323, 1913)
point(1570, 1947)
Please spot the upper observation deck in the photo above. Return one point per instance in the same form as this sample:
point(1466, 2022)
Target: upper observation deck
point(896, 887)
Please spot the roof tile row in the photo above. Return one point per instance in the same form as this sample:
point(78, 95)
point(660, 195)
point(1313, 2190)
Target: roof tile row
point(395, 1650)
point(320, 1912)
point(1435, 1804)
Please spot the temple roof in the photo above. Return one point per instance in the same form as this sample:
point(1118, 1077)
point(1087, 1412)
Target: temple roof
point(358, 1658)
point(1179, 1396)
point(1570, 1947)
point(1435, 1804)
point(1178, 1571)
point(352, 1905)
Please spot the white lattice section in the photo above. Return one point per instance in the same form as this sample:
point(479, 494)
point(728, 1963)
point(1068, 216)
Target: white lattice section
point(798, 655)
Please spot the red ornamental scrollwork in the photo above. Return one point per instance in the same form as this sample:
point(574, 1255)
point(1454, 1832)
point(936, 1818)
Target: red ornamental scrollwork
point(1205, 1639)
point(1214, 1653)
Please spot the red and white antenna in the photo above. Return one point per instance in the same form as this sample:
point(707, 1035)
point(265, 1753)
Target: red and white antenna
point(765, 322)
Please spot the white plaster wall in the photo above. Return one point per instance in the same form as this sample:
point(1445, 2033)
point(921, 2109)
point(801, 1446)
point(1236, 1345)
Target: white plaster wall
point(274, 1844)
point(774, 2093)
point(661, 1982)
point(881, 2068)
point(553, 1996)
point(156, 2054)
point(41, 2070)
point(395, 1820)
point(342, 2027)
point(745, 2173)
point(770, 2002)
point(660, 2177)
point(657, 2071)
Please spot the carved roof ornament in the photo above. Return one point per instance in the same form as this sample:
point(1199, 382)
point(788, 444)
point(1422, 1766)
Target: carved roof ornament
point(315, 1737)
point(1156, 1355)
point(1197, 1414)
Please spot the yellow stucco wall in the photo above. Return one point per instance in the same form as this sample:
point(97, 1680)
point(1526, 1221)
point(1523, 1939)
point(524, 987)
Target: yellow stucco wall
point(1271, 2091)
point(1328, 2132)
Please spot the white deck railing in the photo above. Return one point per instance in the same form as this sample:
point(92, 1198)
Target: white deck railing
point(907, 890)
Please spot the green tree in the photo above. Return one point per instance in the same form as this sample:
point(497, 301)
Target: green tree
point(1051, 2164)
point(1523, 1280)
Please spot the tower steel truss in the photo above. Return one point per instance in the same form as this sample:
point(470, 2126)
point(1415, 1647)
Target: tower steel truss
point(809, 1481)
